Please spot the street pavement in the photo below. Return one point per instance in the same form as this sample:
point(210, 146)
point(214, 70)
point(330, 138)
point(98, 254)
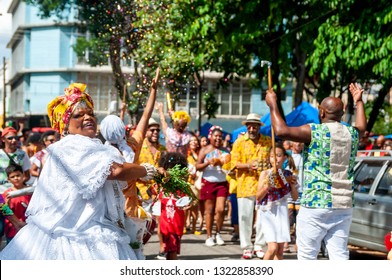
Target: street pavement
point(193, 248)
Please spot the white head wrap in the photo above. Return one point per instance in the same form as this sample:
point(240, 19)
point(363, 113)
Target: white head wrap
point(113, 131)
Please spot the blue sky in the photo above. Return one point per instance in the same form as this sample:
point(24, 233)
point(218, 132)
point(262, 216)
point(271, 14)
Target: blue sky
point(5, 29)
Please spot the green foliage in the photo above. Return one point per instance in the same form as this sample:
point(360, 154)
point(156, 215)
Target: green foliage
point(176, 183)
point(48, 8)
point(96, 48)
point(112, 36)
point(383, 123)
point(357, 40)
point(341, 41)
point(355, 45)
point(211, 105)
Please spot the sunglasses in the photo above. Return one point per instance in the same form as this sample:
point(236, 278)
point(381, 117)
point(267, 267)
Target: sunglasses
point(10, 138)
point(155, 129)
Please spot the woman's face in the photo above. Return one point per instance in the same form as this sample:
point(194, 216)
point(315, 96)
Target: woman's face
point(83, 122)
point(216, 138)
point(193, 143)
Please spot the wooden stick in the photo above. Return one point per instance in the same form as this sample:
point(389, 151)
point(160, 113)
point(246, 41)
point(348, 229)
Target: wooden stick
point(157, 74)
point(272, 128)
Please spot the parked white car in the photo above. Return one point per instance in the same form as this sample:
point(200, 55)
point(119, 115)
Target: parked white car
point(372, 214)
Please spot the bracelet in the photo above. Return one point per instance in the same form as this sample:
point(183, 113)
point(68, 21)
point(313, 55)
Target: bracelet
point(151, 171)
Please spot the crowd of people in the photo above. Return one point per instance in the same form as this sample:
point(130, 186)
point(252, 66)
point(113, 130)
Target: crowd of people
point(79, 192)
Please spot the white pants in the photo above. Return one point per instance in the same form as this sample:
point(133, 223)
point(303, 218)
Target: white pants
point(332, 225)
point(246, 207)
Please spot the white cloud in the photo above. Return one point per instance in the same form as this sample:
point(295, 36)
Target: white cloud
point(5, 28)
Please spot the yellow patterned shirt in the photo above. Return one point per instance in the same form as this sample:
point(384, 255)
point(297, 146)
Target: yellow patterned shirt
point(246, 151)
point(130, 192)
point(146, 156)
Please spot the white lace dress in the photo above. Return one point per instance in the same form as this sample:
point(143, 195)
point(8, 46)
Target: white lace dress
point(75, 212)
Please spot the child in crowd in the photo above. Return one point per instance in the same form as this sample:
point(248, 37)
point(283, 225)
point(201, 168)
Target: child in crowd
point(172, 218)
point(18, 204)
point(272, 194)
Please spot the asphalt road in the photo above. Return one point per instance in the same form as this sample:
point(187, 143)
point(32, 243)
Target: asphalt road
point(193, 248)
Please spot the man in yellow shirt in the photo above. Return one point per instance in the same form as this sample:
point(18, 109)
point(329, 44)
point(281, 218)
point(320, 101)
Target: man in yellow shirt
point(150, 152)
point(249, 156)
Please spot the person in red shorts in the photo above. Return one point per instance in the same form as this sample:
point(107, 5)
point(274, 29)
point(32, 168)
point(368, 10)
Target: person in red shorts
point(215, 188)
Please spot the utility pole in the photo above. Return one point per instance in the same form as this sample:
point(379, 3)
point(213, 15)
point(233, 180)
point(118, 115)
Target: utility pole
point(4, 92)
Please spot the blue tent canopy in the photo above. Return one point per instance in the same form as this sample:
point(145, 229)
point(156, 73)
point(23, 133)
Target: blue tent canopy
point(303, 114)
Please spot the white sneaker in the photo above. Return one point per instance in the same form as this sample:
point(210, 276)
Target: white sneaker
point(219, 240)
point(210, 242)
point(247, 254)
point(259, 253)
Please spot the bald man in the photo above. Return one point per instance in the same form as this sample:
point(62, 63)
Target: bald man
point(329, 154)
point(379, 142)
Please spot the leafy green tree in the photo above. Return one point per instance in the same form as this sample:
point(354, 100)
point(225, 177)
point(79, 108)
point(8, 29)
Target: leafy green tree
point(230, 37)
point(110, 35)
point(355, 44)
point(383, 123)
point(211, 105)
point(338, 41)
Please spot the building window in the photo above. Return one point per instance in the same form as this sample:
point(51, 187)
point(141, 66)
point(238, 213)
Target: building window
point(100, 88)
point(234, 100)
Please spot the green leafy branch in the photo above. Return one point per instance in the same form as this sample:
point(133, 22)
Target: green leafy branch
point(211, 105)
point(176, 183)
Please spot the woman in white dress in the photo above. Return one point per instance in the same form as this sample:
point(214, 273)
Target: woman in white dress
point(77, 210)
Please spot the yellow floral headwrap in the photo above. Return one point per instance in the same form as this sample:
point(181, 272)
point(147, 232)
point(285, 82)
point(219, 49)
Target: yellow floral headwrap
point(181, 115)
point(60, 109)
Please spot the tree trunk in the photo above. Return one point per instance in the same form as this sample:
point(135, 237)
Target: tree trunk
point(115, 61)
point(377, 105)
point(199, 82)
point(301, 73)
